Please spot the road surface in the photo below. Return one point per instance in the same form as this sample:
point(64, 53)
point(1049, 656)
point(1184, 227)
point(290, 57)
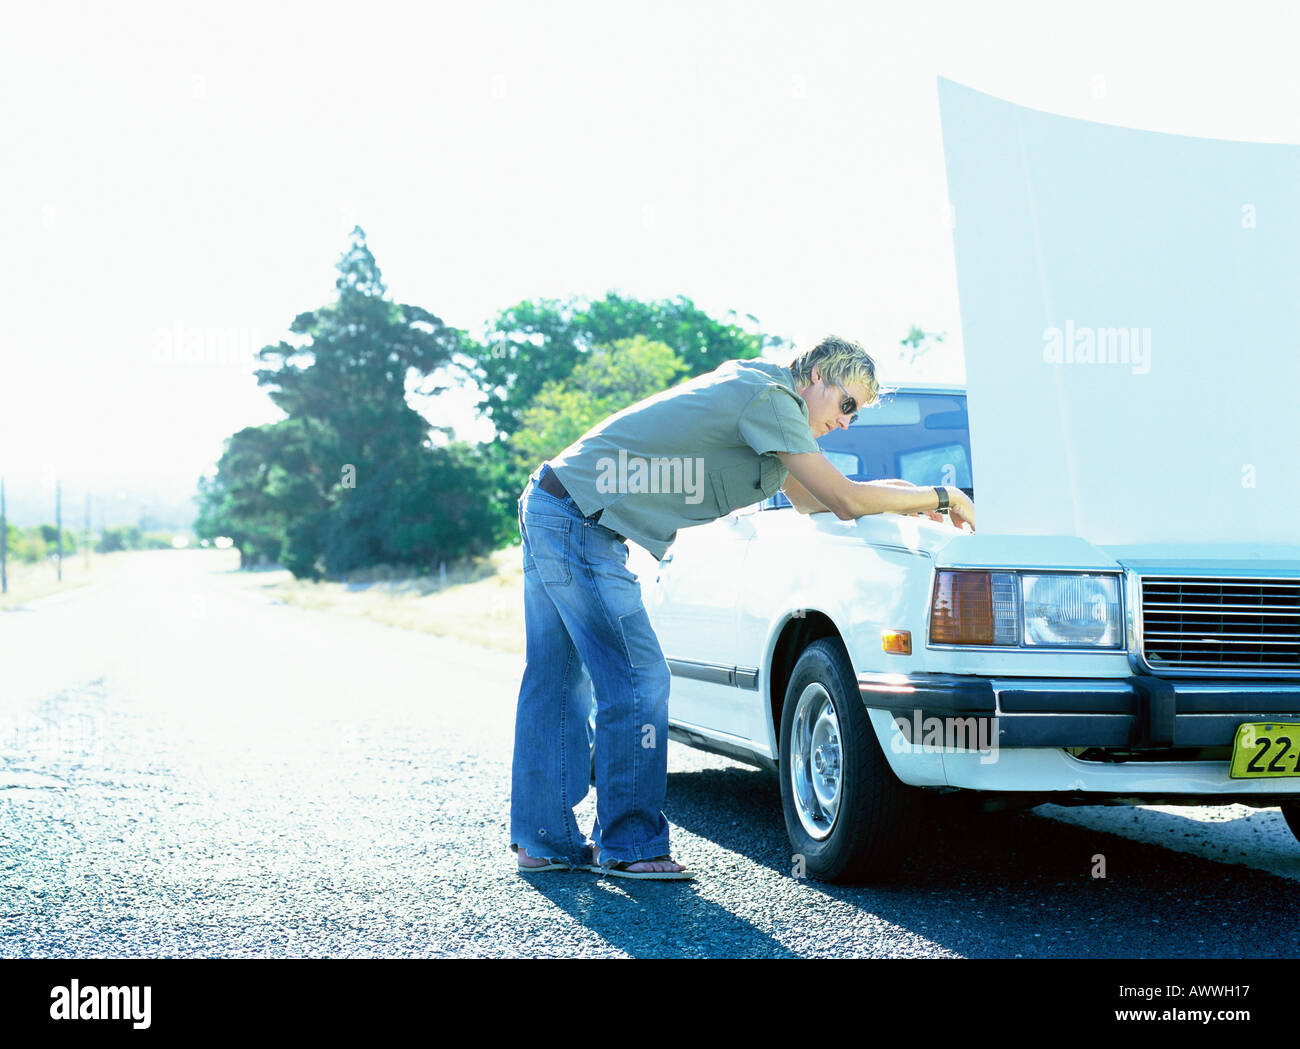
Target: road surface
point(189, 768)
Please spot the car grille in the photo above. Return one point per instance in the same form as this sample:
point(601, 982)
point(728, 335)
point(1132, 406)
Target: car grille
point(1221, 623)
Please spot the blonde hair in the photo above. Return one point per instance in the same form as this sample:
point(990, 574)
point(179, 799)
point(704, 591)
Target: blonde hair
point(838, 360)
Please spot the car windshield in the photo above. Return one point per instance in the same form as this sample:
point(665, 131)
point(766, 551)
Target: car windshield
point(921, 437)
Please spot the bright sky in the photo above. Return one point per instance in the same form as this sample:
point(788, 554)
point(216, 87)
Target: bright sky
point(179, 181)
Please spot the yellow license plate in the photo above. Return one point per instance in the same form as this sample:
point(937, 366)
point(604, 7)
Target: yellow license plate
point(1266, 750)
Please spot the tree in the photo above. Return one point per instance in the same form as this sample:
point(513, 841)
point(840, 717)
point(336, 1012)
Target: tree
point(123, 537)
point(346, 386)
point(534, 343)
point(50, 535)
point(266, 494)
point(31, 547)
point(606, 381)
point(439, 506)
point(352, 370)
point(350, 478)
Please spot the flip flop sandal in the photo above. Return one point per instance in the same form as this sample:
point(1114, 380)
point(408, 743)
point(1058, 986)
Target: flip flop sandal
point(541, 867)
point(557, 865)
point(619, 869)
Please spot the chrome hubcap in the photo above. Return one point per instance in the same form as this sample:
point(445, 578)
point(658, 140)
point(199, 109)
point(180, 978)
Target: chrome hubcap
point(815, 772)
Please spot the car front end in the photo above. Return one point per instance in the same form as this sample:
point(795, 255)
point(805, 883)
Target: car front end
point(1098, 679)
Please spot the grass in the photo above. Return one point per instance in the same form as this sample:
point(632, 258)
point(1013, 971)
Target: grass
point(30, 582)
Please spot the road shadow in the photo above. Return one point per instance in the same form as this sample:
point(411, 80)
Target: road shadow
point(649, 919)
point(1006, 885)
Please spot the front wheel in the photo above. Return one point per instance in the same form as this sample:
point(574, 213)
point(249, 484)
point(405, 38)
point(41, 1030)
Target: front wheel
point(848, 816)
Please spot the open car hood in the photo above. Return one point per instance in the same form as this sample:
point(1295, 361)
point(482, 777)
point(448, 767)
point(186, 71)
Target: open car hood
point(1130, 307)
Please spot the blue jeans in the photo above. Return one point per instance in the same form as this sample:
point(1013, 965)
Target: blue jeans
point(586, 625)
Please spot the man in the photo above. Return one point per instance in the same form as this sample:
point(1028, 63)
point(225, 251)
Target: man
point(683, 457)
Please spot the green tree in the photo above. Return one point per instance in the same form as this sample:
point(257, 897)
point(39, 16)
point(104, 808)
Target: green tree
point(347, 384)
point(31, 545)
point(606, 381)
point(352, 370)
point(438, 506)
point(350, 477)
point(534, 343)
point(268, 495)
point(122, 537)
point(50, 536)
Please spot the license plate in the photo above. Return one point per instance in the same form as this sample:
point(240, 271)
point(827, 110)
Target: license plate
point(1266, 750)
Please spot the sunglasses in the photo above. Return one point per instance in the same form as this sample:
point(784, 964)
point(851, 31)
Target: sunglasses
point(848, 406)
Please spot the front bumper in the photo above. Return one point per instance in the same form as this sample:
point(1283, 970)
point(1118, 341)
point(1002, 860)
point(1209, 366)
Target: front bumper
point(1139, 712)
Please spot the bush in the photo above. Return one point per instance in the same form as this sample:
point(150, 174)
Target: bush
point(123, 537)
point(441, 507)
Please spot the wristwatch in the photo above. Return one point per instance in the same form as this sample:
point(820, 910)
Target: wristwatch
point(943, 499)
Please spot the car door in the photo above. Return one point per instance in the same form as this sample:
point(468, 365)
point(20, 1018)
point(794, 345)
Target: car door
point(693, 608)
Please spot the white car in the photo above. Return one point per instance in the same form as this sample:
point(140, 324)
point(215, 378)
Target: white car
point(871, 660)
point(1124, 627)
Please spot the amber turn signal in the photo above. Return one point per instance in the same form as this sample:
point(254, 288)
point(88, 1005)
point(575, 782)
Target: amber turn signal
point(897, 641)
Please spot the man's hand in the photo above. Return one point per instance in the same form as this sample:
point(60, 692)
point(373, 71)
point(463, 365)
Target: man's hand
point(960, 508)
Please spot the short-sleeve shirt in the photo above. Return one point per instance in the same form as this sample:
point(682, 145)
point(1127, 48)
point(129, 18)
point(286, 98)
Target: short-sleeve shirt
point(689, 455)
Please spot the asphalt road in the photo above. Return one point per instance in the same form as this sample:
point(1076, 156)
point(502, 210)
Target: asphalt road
point(191, 769)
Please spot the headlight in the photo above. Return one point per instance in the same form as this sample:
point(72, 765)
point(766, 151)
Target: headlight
point(1075, 610)
point(1014, 610)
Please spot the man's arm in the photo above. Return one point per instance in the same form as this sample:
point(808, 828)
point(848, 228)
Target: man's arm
point(800, 498)
point(819, 486)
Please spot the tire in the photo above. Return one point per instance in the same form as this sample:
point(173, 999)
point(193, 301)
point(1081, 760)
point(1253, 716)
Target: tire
point(1291, 813)
point(856, 826)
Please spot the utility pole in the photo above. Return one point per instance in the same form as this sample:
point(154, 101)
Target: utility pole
point(58, 523)
point(4, 540)
point(85, 542)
